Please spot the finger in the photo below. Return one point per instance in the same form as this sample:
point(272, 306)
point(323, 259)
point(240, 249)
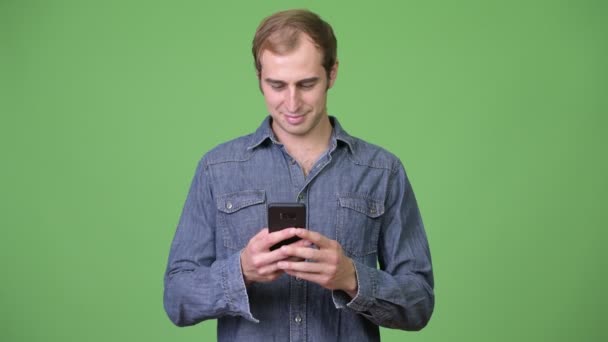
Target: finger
point(259, 235)
point(270, 270)
point(275, 237)
point(293, 259)
point(312, 277)
point(255, 242)
point(301, 243)
point(301, 252)
point(271, 257)
point(303, 267)
point(317, 238)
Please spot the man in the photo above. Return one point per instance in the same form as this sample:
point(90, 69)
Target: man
point(360, 206)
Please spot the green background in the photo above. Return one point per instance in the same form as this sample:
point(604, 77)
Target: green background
point(497, 109)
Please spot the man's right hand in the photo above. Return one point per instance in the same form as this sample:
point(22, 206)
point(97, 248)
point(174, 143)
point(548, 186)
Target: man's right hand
point(258, 262)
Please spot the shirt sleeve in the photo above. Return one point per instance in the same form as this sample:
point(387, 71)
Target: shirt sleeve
point(197, 285)
point(399, 294)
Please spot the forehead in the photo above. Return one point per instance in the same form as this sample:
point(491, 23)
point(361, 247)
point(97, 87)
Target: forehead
point(303, 61)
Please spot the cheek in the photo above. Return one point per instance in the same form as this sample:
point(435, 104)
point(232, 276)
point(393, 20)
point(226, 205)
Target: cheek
point(271, 98)
point(316, 98)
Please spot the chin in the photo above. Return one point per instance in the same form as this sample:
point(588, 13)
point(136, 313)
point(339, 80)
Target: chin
point(295, 129)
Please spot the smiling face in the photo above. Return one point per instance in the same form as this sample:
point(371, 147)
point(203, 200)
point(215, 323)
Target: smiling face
point(295, 87)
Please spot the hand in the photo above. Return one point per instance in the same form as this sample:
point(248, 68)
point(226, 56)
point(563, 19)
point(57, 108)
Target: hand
point(326, 266)
point(258, 263)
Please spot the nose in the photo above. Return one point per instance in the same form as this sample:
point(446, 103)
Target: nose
point(293, 100)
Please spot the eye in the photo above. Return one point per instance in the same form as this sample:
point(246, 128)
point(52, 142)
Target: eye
point(277, 86)
point(307, 85)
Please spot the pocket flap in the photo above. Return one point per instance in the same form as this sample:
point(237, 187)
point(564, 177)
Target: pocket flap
point(235, 201)
point(366, 206)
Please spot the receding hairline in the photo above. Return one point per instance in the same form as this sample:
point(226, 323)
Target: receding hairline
point(283, 32)
point(279, 45)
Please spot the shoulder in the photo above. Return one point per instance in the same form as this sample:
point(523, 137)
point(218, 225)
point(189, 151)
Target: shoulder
point(364, 153)
point(234, 150)
point(373, 156)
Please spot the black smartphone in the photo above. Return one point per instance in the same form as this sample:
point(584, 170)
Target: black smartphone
point(286, 215)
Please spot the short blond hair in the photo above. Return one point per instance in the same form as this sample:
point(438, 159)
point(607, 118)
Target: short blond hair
point(281, 33)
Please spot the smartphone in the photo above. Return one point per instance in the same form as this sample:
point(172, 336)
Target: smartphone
point(286, 215)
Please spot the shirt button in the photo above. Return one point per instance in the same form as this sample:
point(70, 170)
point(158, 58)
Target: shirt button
point(300, 197)
point(228, 205)
point(298, 319)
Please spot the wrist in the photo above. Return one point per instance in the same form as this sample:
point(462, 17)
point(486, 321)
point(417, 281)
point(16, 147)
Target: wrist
point(243, 273)
point(352, 286)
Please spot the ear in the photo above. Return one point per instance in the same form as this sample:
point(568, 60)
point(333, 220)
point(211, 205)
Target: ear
point(259, 76)
point(333, 74)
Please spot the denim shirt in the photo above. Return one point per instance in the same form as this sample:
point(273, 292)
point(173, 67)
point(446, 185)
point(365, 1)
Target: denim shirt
point(357, 194)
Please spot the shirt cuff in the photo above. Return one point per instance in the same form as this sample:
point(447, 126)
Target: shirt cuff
point(234, 287)
point(366, 290)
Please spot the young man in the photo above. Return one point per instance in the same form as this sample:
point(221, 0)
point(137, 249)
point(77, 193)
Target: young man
point(361, 212)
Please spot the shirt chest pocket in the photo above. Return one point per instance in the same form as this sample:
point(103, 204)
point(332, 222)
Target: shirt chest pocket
point(240, 216)
point(358, 224)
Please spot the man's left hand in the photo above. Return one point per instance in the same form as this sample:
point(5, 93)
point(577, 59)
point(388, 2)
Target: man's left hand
point(326, 266)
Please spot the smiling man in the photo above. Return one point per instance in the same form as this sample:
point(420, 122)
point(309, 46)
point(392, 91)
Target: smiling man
point(362, 262)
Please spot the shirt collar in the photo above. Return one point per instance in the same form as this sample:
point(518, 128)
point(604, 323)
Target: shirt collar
point(265, 133)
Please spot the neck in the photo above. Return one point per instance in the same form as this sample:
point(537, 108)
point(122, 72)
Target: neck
point(317, 138)
point(306, 149)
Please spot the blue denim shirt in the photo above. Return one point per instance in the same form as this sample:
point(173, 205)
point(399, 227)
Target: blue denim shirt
point(356, 193)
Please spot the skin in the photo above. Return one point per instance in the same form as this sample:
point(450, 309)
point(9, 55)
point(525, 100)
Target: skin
point(325, 265)
point(295, 91)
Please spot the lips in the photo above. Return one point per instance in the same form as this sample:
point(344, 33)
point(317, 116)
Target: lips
point(294, 119)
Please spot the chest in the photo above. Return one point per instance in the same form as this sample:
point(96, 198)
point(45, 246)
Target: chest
point(344, 201)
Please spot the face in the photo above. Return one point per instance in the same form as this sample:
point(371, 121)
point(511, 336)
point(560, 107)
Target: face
point(295, 90)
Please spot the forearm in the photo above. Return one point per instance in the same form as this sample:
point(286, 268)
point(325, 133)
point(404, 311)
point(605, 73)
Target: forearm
point(403, 301)
point(400, 293)
point(198, 285)
point(197, 293)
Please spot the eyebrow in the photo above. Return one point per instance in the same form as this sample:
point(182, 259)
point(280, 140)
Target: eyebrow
point(306, 80)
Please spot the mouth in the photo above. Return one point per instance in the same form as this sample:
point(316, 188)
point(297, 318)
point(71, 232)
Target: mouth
point(294, 119)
